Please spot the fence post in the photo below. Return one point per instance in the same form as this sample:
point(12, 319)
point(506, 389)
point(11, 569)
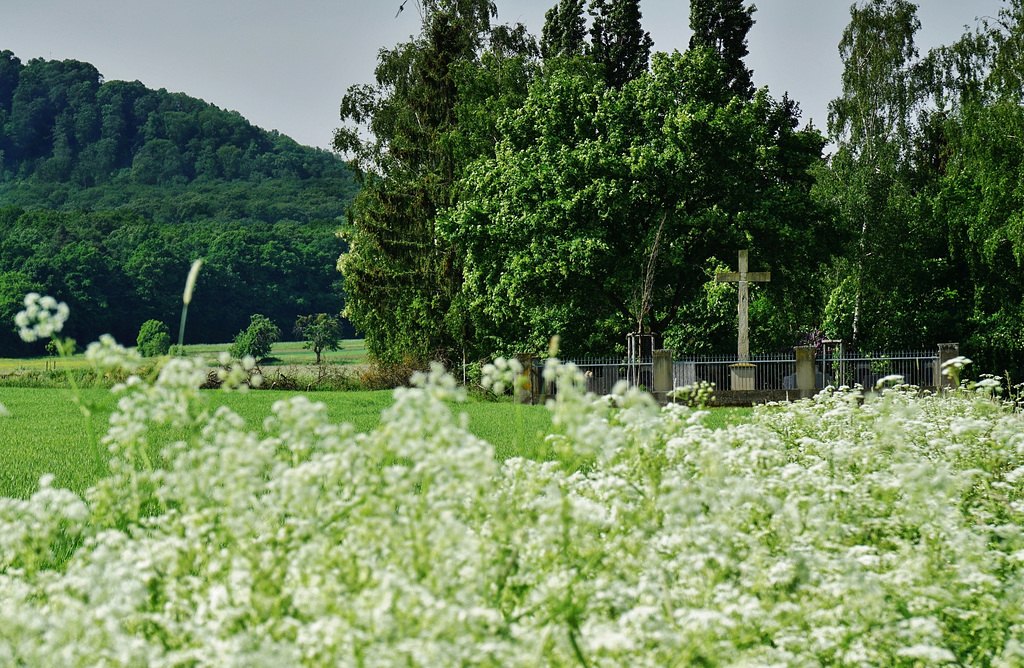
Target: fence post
point(947, 351)
point(805, 356)
point(526, 389)
point(662, 374)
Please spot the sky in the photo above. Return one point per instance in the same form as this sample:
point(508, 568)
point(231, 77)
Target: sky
point(285, 64)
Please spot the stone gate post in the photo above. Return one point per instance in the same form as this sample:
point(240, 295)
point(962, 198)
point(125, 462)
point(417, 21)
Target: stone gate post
point(947, 351)
point(805, 358)
point(662, 374)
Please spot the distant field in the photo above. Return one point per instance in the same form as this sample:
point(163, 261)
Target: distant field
point(353, 351)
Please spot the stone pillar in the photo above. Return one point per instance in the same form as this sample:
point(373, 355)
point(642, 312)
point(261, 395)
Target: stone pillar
point(527, 388)
point(805, 379)
point(662, 375)
point(947, 351)
point(742, 376)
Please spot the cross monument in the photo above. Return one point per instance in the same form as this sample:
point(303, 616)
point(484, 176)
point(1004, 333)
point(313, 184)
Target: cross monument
point(743, 277)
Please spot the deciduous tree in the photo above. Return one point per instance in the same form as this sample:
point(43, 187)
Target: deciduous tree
point(320, 332)
point(873, 123)
point(257, 339)
point(591, 186)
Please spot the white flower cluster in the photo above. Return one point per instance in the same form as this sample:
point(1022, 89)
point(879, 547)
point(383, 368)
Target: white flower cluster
point(846, 530)
point(42, 317)
point(238, 374)
point(500, 375)
point(107, 354)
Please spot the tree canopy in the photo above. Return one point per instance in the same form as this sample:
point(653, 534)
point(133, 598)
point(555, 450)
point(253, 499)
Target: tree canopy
point(665, 176)
point(722, 25)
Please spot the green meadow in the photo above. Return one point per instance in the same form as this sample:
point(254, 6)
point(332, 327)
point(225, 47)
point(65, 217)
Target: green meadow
point(45, 431)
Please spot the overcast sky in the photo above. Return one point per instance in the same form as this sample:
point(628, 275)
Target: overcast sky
point(285, 64)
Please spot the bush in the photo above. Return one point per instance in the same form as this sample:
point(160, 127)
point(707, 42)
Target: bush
point(379, 376)
point(154, 340)
point(257, 339)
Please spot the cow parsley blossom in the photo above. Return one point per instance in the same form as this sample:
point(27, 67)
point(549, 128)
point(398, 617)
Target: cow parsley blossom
point(42, 317)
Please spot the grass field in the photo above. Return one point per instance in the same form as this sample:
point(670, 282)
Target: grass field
point(352, 351)
point(45, 431)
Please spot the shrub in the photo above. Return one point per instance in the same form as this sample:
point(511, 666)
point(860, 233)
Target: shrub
point(154, 339)
point(257, 339)
point(378, 376)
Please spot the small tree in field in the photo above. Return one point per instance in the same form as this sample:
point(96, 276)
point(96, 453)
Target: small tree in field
point(256, 339)
point(321, 332)
point(154, 339)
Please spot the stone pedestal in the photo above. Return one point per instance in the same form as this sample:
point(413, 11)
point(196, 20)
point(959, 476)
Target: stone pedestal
point(742, 376)
point(947, 351)
point(805, 368)
point(662, 375)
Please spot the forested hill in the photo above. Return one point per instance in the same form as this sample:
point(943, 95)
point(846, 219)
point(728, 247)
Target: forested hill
point(70, 140)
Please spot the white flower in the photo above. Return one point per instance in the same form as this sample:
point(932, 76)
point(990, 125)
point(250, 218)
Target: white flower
point(108, 354)
point(988, 386)
point(951, 366)
point(891, 379)
point(42, 317)
point(501, 374)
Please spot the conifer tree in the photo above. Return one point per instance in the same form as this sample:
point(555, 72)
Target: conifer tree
point(565, 30)
point(618, 43)
point(722, 25)
point(401, 277)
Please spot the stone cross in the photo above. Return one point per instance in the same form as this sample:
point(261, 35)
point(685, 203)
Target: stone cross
point(743, 277)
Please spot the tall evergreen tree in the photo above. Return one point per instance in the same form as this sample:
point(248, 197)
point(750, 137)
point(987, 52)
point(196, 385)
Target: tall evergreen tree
point(618, 43)
point(722, 25)
point(401, 277)
point(565, 30)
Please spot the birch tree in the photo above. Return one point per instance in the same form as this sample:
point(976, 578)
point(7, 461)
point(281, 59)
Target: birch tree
point(872, 121)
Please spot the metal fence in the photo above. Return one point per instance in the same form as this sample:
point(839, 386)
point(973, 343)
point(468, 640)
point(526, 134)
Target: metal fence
point(603, 373)
point(771, 372)
point(846, 367)
point(778, 372)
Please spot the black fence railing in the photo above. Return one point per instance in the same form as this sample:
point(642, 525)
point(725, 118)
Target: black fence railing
point(770, 372)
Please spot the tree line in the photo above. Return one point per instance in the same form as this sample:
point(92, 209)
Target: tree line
point(118, 269)
point(515, 188)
